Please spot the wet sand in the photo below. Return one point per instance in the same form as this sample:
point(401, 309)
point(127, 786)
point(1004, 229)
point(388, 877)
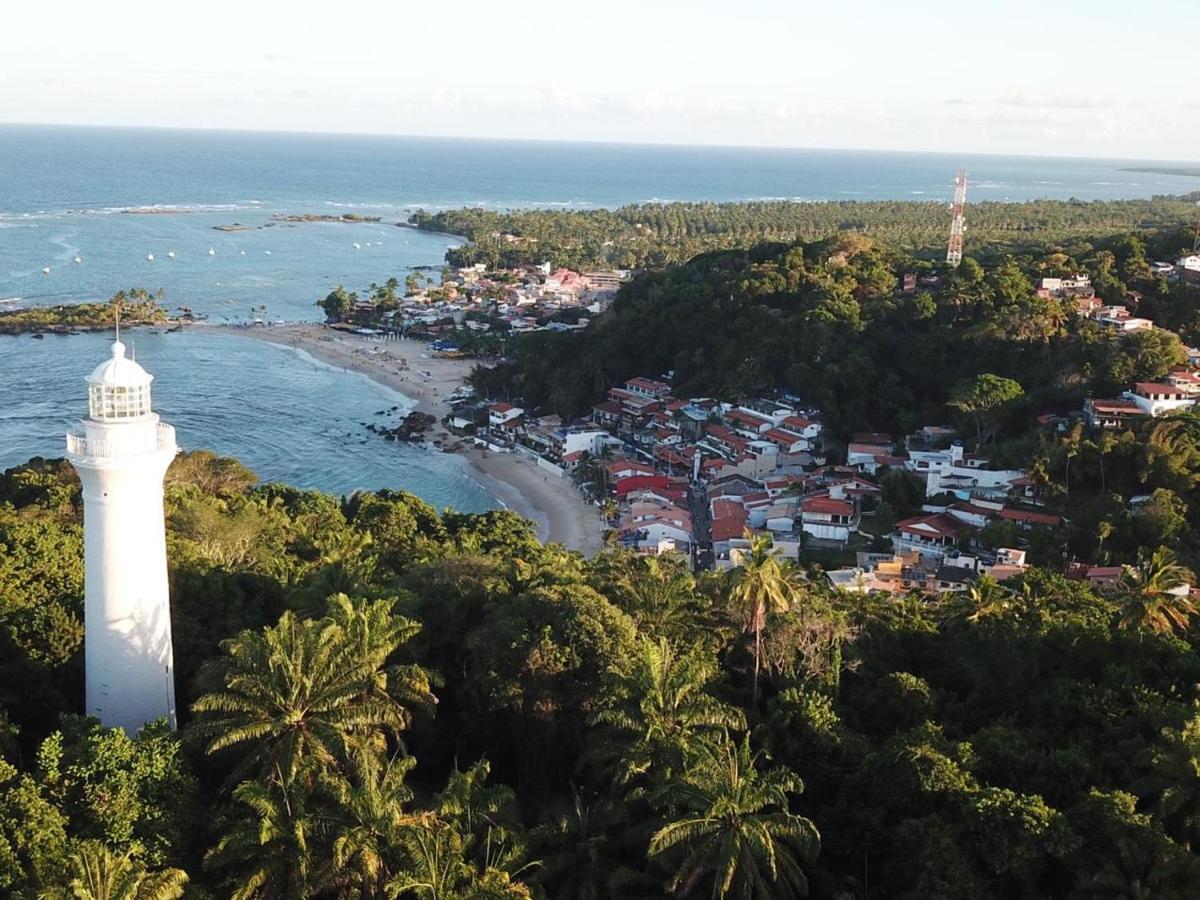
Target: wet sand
point(407, 366)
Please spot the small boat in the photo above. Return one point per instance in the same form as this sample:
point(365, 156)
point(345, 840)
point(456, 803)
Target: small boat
point(38, 337)
point(45, 270)
point(243, 253)
point(212, 252)
point(357, 246)
point(149, 257)
point(78, 260)
point(171, 254)
point(268, 252)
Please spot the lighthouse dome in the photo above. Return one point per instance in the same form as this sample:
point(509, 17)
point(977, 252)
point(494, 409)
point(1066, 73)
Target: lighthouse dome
point(118, 388)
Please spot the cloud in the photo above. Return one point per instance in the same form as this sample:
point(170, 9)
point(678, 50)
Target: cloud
point(1042, 100)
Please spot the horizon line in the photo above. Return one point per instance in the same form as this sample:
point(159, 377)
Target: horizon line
point(594, 142)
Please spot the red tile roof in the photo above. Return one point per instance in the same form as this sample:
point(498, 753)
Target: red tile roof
point(1115, 406)
point(1153, 387)
point(729, 526)
point(871, 437)
point(748, 419)
point(1033, 518)
point(941, 525)
point(724, 507)
point(782, 437)
point(827, 505)
point(876, 450)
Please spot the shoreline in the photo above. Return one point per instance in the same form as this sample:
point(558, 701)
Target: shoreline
point(560, 513)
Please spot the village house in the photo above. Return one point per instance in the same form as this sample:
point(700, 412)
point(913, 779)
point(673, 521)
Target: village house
point(504, 418)
point(828, 519)
point(1157, 398)
point(1111, 414)
point(929, 535)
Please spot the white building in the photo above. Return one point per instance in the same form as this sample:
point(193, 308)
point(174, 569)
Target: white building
point(1156, 399)
point(1191, 261)
point(122, 452)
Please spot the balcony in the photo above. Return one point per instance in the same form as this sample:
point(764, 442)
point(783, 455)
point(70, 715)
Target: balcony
point(79, 445)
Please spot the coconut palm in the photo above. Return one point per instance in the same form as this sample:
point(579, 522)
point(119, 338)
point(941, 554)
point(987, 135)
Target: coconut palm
point(1152, 596)
point(582, 858)
point(1104, 530)
point(759, 586)
point(659, 595)
point(312, 690)
point(730, 832)
point(662, 710)
point(1071, 444)
point(101, 874)
point(268, 848)
point(369, 817)
point(438, 867)
point(1176, 782)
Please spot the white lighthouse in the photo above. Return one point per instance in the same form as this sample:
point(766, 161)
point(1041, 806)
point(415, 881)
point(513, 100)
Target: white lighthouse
point(121, 453)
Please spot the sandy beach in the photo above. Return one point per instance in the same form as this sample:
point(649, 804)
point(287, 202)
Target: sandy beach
point(408, 366)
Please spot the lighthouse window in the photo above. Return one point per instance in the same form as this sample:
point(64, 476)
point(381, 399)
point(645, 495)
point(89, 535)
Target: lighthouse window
point(118, 401)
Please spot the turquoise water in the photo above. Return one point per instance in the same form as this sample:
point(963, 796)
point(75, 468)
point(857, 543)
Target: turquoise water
point(286, 416)
point(67, 192)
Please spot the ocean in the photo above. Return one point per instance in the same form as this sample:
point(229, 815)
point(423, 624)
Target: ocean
point(114, 197)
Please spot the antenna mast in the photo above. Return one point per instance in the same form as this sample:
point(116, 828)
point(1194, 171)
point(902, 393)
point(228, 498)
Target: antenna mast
point(957, 224)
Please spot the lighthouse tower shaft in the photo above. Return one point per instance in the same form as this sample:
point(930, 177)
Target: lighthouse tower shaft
point(122, 452)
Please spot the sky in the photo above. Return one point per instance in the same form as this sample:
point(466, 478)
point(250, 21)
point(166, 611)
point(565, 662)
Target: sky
point(1053, 77)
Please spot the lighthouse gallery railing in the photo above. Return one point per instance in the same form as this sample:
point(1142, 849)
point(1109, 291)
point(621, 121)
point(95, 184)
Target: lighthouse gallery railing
point(79, 445)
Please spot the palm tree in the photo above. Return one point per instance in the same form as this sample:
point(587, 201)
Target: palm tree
point(369, 818)
point(663, 709)
point(312, 690)
point(101, 874)
point(659, 594)
point(731, 832)
point(1071, 445)
point(761, 585)
point(1151, 597)
point(986, 598)
point(1176, 780)
point(582, 856)
point(438, 867)
point(1104, 445)
point(1104, 530)
point(268, 844)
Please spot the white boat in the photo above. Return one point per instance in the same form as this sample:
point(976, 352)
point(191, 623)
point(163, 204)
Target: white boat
point(212, 252)
point(78, 260)
point(149, 257)
point(45, 270)
point(268, 252)
point(243, 253)
point(357, 246)
point(171, 254)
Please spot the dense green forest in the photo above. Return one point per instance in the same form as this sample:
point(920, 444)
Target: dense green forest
point(825, 320)
point(381, 700)
point(653, 235)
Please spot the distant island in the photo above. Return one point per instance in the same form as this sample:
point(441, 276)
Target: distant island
point(137, 307)
point(287, 219)
point(1191, 172)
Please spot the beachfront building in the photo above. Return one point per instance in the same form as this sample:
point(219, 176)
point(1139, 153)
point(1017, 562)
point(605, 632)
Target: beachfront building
point(121, 452)
point(504, 418)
